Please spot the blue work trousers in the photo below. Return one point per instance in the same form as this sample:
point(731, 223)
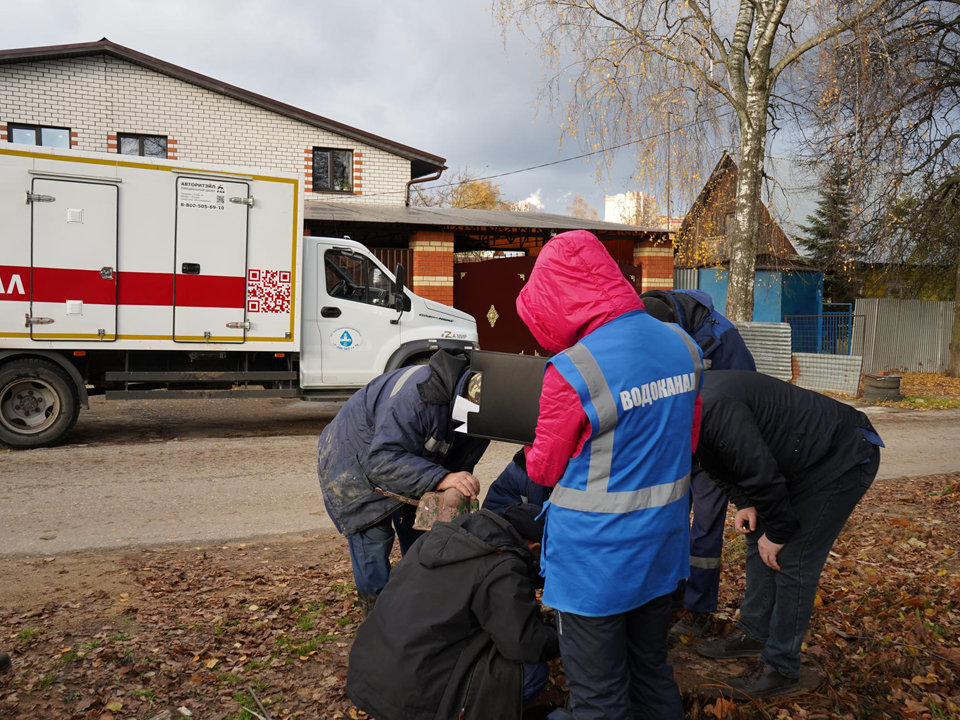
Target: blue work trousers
point(370, 549)
point(535, 676)
point(709, 504)
point(777, 605)
point(617, 667)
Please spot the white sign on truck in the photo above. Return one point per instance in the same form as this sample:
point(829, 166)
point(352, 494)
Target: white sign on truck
point(139, 278)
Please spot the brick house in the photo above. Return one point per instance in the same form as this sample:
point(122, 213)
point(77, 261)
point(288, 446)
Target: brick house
point(105, 97)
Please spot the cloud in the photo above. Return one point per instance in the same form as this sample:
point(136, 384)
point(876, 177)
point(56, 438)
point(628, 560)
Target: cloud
point(533, 203)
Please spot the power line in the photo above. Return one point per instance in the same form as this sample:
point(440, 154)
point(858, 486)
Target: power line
point(600, 151)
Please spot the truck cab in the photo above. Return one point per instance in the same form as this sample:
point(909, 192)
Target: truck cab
point(357, 321)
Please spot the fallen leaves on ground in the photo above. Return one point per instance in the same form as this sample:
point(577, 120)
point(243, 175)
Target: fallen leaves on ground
point(930, 385)
point(205, 627)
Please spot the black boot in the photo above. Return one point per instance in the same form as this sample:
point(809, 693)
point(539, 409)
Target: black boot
point(366, 603)
point(735, 644)
point(692, 625)
point(5, 663)
point(760, 681)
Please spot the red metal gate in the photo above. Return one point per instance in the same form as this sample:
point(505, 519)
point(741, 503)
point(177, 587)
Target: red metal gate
point(488, 290)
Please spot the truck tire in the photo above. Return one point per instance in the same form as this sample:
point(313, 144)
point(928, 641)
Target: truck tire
point(39, 403)
point(417, 360)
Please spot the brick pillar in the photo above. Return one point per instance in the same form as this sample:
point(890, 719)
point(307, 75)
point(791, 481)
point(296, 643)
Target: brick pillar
point(171, 148)
point(112, 143)
point(3, 132)
point(657, 262)
point(308, 170)
point(432, 273)
point(74, 138)
point(358, 173)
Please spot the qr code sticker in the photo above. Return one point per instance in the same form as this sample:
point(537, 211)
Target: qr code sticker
point(268, 291)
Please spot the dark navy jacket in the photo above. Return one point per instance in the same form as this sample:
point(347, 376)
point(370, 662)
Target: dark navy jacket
point(692, 310)
point(513, 487)
point(396, 434)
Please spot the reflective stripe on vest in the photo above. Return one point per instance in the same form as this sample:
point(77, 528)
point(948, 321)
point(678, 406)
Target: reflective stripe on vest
point(595, 497)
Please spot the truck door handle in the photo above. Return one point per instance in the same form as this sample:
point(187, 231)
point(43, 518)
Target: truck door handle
point(330, 312)
point(190, 268)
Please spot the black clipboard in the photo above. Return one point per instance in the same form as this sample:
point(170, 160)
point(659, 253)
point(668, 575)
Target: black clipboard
point(510, 396)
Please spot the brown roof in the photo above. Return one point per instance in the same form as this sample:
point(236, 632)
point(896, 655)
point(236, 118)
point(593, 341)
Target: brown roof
point(422, 163)
point(464, 218)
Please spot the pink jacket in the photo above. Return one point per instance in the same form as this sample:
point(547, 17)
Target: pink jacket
point(575, 287)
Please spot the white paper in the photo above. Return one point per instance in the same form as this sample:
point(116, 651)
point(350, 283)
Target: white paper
point(461, 408)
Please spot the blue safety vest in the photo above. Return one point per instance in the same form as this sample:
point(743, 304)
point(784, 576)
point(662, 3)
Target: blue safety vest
point(617, 523)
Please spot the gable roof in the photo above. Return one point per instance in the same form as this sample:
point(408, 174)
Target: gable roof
point(422, 163)
point(786, 195)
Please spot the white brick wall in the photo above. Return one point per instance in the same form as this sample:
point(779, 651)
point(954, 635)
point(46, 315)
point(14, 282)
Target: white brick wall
point(100, 96)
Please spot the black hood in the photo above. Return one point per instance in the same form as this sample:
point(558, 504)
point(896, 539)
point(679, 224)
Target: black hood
point(447, 368)
point(471, 536)
point(680, 307)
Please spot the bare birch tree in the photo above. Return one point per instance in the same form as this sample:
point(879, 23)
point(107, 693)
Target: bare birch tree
point(702, 73)
point(580, 208)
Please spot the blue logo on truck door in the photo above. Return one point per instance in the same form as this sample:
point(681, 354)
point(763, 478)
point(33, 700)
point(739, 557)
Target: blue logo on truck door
point(346, 338)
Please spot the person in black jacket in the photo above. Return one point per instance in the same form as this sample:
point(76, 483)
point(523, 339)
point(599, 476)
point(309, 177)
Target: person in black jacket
point(513, 486)
point(457, 631)
point(795, 463)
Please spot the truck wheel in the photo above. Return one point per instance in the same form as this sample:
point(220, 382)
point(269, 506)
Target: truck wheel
point(39, 403)
point(417, 360)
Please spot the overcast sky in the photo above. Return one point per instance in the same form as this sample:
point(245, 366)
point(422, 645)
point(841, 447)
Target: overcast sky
point(434, 74)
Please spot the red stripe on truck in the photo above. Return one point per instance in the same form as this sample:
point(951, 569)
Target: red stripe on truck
point(129, 288)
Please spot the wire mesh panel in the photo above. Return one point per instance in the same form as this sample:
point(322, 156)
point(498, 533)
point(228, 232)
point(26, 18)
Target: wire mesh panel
point(826, 351)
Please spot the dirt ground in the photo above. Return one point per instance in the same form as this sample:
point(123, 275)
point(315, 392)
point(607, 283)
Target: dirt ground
point(130, 633)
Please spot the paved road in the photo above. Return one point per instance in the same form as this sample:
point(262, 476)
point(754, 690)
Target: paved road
point(142, 473)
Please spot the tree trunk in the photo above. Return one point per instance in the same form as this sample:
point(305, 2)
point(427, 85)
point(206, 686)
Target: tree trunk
point(743, 244)
point(953, 369)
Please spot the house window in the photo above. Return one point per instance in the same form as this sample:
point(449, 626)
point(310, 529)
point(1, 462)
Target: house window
point(332, 170)
point(354, 277)
point(142, 145)
point(39, 135)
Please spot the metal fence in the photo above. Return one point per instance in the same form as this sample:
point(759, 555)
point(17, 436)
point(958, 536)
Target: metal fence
point(905, 335)
point(825, 353)
point(834, 333)
point(769, 343)
point(686, 278)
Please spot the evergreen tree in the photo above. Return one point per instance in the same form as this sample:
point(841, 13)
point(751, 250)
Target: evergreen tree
point(827, 237)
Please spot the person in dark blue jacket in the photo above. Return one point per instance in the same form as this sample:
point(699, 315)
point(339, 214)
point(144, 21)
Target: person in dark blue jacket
point(723, 349)
point(514, 487)
point(396, 434)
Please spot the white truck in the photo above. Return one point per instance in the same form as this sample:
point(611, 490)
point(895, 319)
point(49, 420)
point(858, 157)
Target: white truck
point(138, 278)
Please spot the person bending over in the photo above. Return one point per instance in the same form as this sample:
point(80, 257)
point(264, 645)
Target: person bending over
point(795, 463)
point(395, 434)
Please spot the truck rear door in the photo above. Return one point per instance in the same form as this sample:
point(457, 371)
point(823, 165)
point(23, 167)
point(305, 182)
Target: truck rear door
point(73, 288)
point(210, 260)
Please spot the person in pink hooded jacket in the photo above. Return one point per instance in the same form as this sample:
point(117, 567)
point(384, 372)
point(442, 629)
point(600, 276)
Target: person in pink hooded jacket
point(614, 439)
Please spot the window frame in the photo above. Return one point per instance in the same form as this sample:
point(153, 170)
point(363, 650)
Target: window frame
point(140, 137)
point(313, 168)
point(38, 133)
